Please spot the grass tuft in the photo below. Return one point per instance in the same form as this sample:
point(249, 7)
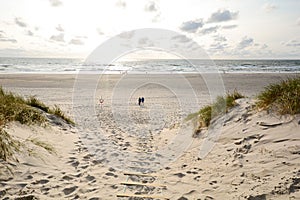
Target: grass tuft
point(283, 97)
point(7, 145)
point(221, 106)
point(15, 108)
point(34, 102)
point(25, 111)
point(58, 112)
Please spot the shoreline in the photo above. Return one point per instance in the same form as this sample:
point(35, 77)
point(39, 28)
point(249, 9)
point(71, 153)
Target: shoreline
point(145, 73)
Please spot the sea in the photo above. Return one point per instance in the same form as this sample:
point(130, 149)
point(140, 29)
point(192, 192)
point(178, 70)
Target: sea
point(72, 66)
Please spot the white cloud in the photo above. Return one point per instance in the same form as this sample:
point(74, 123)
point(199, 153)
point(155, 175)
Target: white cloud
point(219, 38)
point(60, 28)
point(222, 16)
point(11, 52)
point(99, 31)
point(20, 22)
point(209, 30)
point(246, 42)
point(298, 21)
point(264, 46)
point(55, 3)
point(192, 26)
point(76, 41)
point(58, 38)
point(30, 33)
point(121, 4)
point(127, 35)
point(8, 40)
point(151, 7)
point(292, 43)
point(269, 7)
point(229, 26)
point(181, 38)
point(4, 38)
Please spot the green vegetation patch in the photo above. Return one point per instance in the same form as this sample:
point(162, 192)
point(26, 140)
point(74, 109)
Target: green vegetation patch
point(15, 108)
point(221, 106)
point(283, 97)
point(26, 111)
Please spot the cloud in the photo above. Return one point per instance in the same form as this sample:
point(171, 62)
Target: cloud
point(151, 7)
point(99, 31)
point(298, 21)
point(58, 38)
point(145, 42)
point(292, 43)
point(269, 7)
point(222, 16)
point(127, 35)
point(55, 3)
point(264, 46)
point(209, 30)
point(30, 33)
point(8, 40)
point(192, 26)
point(10, 52)
point(246, 42)
point(218, 47)
point(76, 41)
point(219, 38)
point(4, 38)
point(20, 23)
point(229, 26)
point(157, 17)
point(60, 28)
point(181, 38)
point(121, 4)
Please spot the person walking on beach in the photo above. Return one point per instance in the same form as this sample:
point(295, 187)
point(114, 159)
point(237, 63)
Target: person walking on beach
point(143, 100)
point(140, 100)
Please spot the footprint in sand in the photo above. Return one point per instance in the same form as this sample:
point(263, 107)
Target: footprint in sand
point(42, 181)
point(180, 175)
point(70, 190)
point(90, 178)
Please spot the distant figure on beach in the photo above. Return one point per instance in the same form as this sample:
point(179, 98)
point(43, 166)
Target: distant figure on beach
point(143, 100)
point(140, 100)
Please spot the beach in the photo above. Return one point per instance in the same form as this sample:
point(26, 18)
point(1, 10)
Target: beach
point(119, 148)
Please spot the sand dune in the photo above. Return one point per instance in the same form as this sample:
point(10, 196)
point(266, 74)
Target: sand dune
point(149, 151)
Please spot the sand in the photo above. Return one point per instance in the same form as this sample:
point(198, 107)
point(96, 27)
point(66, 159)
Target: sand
point(120, 148)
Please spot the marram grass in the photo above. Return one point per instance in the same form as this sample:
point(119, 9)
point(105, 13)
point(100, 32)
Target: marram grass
point(25, 111)
point(221, 106)
point(283, 97)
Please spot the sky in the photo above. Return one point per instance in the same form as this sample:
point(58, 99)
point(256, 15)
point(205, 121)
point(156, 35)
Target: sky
point(225, 29)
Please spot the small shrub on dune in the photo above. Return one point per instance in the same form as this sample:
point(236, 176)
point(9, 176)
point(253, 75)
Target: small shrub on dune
point(283, 97)
point(221, 106)
point(205, 116)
